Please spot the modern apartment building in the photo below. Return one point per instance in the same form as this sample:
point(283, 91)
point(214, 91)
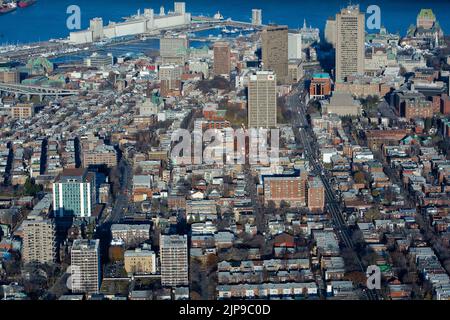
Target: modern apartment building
point(74, 193)
point(262, 100)
point(85, 266)
point(39, 242)
point(174, 260)
point(350, 39)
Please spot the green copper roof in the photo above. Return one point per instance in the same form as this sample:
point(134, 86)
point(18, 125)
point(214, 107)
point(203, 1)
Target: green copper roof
point(426, 13)
point(321, 75)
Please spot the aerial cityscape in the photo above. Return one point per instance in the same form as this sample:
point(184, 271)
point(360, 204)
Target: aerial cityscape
point(197, 151)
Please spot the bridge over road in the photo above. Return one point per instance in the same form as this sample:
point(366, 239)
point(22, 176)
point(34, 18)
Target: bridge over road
point(30, 91)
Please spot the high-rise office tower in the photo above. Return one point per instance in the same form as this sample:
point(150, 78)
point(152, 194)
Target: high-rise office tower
point(330, 31)
point(294, 46)
point(85, 266)
point(222, 59)
point(174, 260)
point(349, 42)
point(262, 100)
point(74, 193)
point(39, 239)
point(257, 17)
point(275, 51)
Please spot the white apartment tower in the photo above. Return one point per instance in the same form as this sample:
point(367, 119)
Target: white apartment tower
point(85, 266)
point(174, 260)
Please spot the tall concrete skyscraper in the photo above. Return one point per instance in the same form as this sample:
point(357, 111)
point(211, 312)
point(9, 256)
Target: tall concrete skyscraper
point(222, 59)
point(294, 46)
point(275, 50)
point(349, 42)
point(330, 31)
point(262, 100)
point(85, 266)
point(257, 17)
point(174, 260)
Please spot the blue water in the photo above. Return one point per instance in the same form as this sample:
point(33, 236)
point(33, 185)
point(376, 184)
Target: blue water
point(47, 18)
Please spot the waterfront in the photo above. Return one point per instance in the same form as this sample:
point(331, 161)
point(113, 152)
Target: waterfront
point(134, 48)
point(49, 16)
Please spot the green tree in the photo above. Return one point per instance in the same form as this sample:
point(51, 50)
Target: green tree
point(360, 177)
point(373, 214)
point(30, 188)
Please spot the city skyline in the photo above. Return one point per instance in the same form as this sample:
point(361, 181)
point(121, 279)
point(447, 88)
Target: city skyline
point(172, 156)
point(315, 16)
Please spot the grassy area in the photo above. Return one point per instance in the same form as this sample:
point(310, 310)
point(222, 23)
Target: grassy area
point(115, 287)
point(236, 116)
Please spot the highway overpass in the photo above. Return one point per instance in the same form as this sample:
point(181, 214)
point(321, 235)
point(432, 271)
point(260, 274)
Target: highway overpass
point(30, 91)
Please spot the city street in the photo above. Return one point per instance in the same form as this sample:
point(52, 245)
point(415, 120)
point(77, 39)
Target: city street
point(304, 136)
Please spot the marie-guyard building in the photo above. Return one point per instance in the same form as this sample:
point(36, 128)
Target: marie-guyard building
point(74, 193)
